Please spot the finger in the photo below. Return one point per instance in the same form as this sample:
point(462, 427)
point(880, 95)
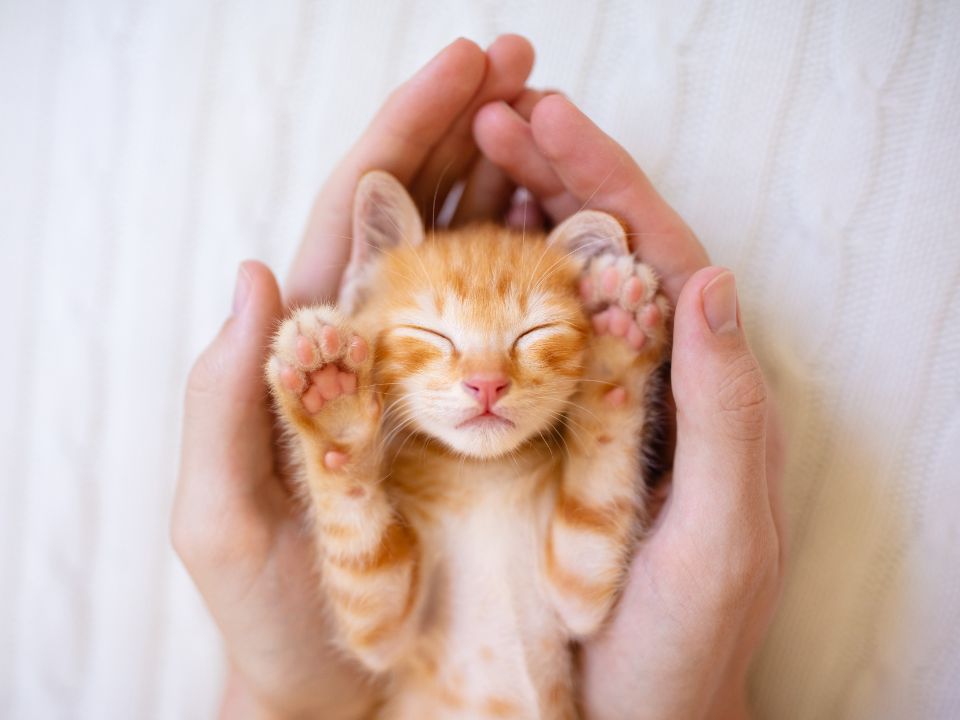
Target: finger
point(509, 62)
point(507, 139)
point(527, 100)
point(488, 190)
point(570, 164)
point(226, 454)
point(600, 174)
point(401, 136)
point(486, 194)
point(720, 465)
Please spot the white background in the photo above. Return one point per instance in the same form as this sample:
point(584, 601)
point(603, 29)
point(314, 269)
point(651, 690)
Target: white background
point(147, 147)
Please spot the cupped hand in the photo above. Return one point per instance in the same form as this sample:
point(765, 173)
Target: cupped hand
point(239, 533)
point(423, 136)
point(235, 524)
point(705, 580)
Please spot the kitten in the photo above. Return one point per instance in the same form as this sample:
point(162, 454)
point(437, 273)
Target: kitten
point(468, 425)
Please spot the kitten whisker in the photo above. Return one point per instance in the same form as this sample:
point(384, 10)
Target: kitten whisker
point(599, 242)
point(603, 182)
point(573, 425)
point(583, 408)
point(436, 191)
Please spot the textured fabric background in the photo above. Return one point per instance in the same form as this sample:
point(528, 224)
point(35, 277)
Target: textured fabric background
point(147, 146)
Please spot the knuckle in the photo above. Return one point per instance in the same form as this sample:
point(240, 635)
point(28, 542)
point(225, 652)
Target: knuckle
point(742, 399)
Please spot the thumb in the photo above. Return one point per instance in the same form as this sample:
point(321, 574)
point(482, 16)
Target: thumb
point(226, 450)
point(721, 402)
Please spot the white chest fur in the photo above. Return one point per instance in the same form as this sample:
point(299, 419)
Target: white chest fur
point(495, 644)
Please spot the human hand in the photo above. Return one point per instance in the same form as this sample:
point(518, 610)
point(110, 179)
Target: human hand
point(705, 580)
point(235, 524)
point(238, 532)
point(423, 137)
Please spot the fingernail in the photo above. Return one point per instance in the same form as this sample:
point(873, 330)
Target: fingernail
point(242, 289)
point(720, 304)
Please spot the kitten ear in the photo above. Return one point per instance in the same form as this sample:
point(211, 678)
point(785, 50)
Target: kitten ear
point(588, 233)
point(384, 216)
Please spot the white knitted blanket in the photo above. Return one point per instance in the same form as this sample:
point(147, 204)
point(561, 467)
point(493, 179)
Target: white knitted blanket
point(146, 146)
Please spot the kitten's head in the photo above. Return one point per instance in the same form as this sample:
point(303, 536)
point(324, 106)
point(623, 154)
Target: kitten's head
point(480, 333)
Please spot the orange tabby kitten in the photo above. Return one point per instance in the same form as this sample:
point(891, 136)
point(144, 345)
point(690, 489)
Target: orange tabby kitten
point(468, 425)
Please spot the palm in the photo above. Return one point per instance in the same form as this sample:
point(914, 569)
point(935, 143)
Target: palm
point(697, 603)
point(284, 641)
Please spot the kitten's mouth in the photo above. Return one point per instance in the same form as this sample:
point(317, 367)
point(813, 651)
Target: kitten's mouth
point(487, 418)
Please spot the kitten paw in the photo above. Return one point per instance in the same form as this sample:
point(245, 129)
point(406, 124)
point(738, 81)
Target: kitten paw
point(317, 360)
point(620, 295)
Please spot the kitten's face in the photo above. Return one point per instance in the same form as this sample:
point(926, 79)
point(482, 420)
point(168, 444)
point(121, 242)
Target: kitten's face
point(480, 337)
point(480, 332)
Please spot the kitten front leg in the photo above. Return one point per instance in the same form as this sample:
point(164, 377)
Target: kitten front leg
point(319, 374)
point(600, 502)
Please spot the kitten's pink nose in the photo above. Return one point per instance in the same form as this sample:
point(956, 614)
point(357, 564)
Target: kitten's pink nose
point(487, 388)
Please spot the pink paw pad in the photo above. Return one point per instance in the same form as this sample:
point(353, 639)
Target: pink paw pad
point(610, 282)
point(348, 383)
point(601, 322)
point(616, 397)
point(326, 384)
point(620, 321)
point(334, 460)
point(330, 341)
point(312, 399)
point(306, 351)
point(317, 361)
point(291, 379)
point(620, 294)
point(633, 292)
point(650, 316)
point(636, 337)
point(358, 350)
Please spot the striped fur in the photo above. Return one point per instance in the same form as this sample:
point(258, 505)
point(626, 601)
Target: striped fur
point(461, 560)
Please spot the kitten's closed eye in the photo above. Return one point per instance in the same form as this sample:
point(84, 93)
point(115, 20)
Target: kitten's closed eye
point(442, 342)
point(434, 337)
point(537, 333)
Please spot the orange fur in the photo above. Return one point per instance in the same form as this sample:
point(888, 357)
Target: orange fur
point(461, 556)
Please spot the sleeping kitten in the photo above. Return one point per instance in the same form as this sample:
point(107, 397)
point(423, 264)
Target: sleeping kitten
point(468, 425)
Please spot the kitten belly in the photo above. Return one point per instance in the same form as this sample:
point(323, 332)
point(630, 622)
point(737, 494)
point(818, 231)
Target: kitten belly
point(492, 646)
